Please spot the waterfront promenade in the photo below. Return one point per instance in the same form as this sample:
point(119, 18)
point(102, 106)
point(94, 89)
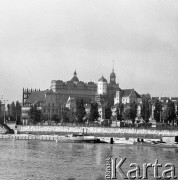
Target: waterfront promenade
point(98, 131)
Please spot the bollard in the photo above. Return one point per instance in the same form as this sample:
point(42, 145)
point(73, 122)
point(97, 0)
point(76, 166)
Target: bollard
point(111, 141)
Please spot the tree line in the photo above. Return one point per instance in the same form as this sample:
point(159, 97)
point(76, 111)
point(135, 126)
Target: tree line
point(13, 112)
point(79, 116)
point(166, 114)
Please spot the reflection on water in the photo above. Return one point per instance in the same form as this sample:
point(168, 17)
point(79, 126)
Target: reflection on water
point(38, 160)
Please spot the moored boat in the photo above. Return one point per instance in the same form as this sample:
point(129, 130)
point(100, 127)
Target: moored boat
point(76, 138)
point(142, 142)
point(123, 141)
point(164, 144)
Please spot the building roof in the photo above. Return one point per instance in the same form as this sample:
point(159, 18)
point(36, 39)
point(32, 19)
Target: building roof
point(102, 79)
point(127, 92)
point(75, 78)
point(36, 96)
point(71, 100)
point(138, 95)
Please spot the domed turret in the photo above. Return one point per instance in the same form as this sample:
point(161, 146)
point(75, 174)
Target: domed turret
point(102, 86)
point(102, 79)
point(75, 78)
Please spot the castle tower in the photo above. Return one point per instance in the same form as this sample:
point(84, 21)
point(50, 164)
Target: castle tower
point(102, 86)
point(113, 76)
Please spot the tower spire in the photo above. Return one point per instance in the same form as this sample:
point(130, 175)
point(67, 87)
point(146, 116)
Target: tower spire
point(113, 75)
point(75, 73)
point(113, 66)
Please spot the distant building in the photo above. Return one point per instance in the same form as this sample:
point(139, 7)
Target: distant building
point(127, 96)
point(164, 101)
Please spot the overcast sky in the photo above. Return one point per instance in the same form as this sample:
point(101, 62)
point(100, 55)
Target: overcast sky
point(44, 40)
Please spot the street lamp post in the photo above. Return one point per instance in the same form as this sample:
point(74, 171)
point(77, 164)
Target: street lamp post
point(62, 106)
point(61, 114)
point(4, 108)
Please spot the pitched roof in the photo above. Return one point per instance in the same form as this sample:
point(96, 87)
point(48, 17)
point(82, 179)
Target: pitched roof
point(71, 100)
point(126, 92)
point(138, 95)
point(37, 96)
point(102, 79)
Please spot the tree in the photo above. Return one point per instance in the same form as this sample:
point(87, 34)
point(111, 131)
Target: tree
point(133, 111)
point(119, 111)
point(145, 110)
point(8, 110)
point(18, 112)
point(65, 118)
point(177, 114)
point(12, 111)
point(171, 114)
point(108, 112)
point(55, 118)
point(157, 111)
point(164, 115)
point(80, 110)
point(1, 119)
point(94, 114)
point(35, 114)
point(126, 114)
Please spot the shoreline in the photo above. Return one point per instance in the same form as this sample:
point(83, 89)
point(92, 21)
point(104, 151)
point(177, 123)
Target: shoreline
point(97, 131)
point(118, 135)
point(57, 138)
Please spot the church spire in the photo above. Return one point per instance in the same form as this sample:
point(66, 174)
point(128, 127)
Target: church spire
point(113, 66)
point(75, 73)
point(113, 76)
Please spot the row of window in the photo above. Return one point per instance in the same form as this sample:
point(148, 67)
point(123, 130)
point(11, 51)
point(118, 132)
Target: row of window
point(53, 110)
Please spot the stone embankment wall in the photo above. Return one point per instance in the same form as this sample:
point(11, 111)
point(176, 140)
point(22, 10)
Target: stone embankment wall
point(113, 132)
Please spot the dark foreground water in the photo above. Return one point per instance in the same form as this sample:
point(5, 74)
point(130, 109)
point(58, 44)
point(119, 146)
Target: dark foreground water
point(48, 160)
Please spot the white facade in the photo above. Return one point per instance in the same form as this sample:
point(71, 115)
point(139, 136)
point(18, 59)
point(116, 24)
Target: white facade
point(117, 98)
point(102, 86)
point(126, 100)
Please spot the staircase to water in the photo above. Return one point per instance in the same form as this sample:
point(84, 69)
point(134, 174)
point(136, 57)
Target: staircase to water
point(5, 129)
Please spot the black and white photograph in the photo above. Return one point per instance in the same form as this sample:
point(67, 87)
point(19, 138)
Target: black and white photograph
point(88, 89)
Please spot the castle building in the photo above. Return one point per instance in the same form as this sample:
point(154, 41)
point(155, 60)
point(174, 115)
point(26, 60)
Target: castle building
point(51, 101)
point(74, 87)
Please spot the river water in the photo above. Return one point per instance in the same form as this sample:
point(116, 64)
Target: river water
point(49, 160)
